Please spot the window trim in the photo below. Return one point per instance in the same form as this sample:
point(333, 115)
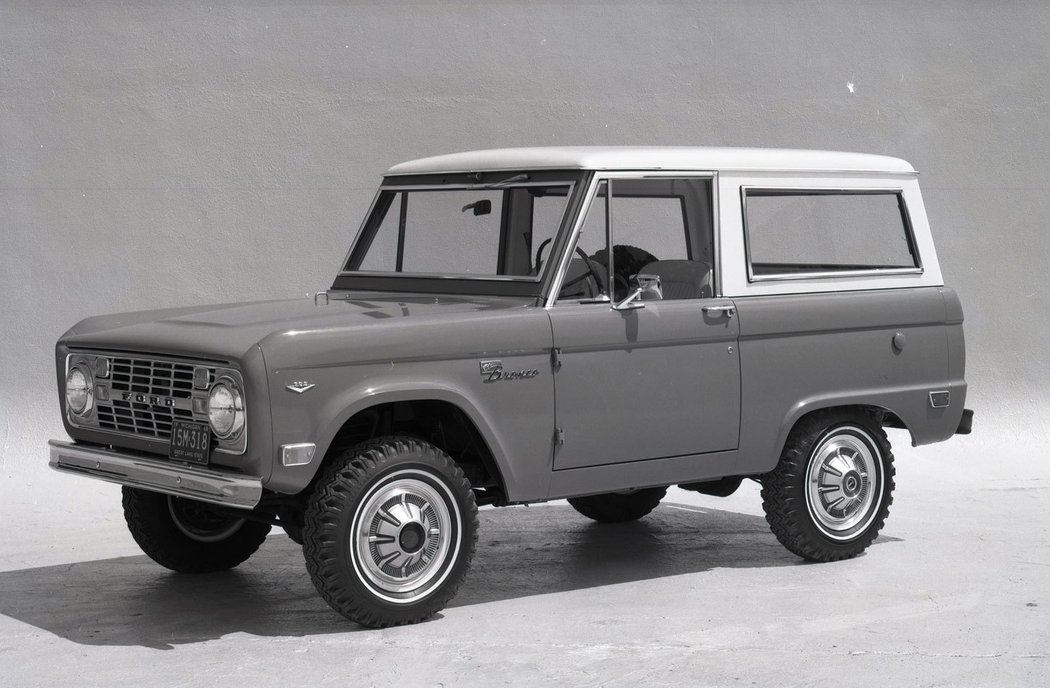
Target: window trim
point(902, 204)
point(524, 284)
point(591, 192)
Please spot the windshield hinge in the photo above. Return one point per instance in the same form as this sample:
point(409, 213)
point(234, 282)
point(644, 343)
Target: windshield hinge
point(559, 437)
point(523, 177)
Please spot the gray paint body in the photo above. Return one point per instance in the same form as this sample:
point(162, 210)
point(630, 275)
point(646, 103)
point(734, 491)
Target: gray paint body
point(800, 353)
point(645, 384)
point(656, 396)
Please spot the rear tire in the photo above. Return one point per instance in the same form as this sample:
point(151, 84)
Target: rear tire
point(829, 496)
point(187, 536)
point(390, 531)
point(619, 507)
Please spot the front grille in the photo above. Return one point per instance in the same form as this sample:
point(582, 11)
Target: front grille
point(140, 391)
point(140, 419)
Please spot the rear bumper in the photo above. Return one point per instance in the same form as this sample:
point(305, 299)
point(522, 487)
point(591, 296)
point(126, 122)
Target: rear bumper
point(142, 471)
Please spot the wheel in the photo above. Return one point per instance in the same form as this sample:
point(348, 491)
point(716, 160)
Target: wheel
point(592, 273)
point(829, 496)
point(619, 507)
point(592, 270)
point(188, 536)
point(627, 261)
point(390, 531)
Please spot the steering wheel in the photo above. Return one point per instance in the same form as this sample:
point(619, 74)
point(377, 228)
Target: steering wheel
point(592, 270)
point(539, 256)
point(629, 261)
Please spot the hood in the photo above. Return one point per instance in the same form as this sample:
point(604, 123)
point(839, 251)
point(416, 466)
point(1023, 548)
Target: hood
point(229, 331)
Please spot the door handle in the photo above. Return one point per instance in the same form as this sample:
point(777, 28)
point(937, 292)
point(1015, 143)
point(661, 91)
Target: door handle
point(727, 311)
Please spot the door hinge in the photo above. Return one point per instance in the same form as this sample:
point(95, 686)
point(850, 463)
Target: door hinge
point(559, 436)
point(556, 358)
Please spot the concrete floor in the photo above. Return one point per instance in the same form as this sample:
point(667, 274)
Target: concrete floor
point(699, 593)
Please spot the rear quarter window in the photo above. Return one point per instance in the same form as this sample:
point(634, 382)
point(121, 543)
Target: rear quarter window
point(814, 233)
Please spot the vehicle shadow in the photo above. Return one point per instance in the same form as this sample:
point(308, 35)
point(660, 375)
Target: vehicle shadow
point(522, 552)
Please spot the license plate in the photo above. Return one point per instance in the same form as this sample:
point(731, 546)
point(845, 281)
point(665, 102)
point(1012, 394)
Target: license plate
point(190, 442)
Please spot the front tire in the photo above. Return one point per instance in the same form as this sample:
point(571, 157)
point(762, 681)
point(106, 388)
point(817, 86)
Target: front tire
point(829, 496)
point(390, 532)
point(619, 507)
point(188, 536)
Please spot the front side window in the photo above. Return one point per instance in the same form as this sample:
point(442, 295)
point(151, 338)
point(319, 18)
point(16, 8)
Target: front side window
point(480, 232)
point(792, 233)
point(659, 226)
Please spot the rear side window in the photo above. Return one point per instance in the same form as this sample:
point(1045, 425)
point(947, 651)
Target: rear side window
point(803, 233)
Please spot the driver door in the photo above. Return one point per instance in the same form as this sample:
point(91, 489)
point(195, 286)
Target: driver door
point(658, 381)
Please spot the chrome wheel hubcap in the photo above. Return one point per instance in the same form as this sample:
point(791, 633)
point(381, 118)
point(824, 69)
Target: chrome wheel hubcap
point(844, 483)
point(405, 536)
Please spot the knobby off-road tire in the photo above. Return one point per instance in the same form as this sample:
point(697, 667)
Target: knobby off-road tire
point(390, 531)
point(619, 507)
point(829, 496)
point(185, 535)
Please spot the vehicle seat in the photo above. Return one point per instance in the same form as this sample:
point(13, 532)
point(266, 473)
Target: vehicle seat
point(682, 279)
point(627, 261)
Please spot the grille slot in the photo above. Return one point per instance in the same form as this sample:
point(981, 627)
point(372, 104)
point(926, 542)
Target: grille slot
point(150, 377)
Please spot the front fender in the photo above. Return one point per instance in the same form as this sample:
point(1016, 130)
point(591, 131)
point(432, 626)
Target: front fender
point(514, 418)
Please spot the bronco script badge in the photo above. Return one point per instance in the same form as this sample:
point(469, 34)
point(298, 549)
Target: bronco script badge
point(493, 371)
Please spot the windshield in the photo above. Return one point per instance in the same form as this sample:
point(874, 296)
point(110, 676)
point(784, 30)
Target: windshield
point(502, 230)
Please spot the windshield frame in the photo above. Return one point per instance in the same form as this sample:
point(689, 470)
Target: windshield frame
point(497, 285)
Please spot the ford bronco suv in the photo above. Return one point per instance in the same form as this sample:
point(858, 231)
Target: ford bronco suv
point(521, 325)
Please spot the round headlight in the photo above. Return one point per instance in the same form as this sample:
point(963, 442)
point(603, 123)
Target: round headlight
point(78, 390)
point(225, 408)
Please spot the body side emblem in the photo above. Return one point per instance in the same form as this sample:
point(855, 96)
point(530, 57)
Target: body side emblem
point(492, 371)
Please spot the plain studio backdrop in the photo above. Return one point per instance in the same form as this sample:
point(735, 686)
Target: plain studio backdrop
point(171, 153)
point(156, 154)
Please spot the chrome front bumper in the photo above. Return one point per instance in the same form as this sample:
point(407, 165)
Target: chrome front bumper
point(141, 470)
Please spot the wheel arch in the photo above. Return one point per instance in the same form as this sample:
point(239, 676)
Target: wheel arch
point(881, 413)
point(437, 415)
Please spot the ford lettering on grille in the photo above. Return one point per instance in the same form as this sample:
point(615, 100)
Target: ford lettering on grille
point(147, 395)
point(148, 399)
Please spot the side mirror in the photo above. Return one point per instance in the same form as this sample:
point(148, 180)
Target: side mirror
point(482, 207)
point(643, 288)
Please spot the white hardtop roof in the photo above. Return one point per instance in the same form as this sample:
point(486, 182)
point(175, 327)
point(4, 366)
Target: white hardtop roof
point(653, 158)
